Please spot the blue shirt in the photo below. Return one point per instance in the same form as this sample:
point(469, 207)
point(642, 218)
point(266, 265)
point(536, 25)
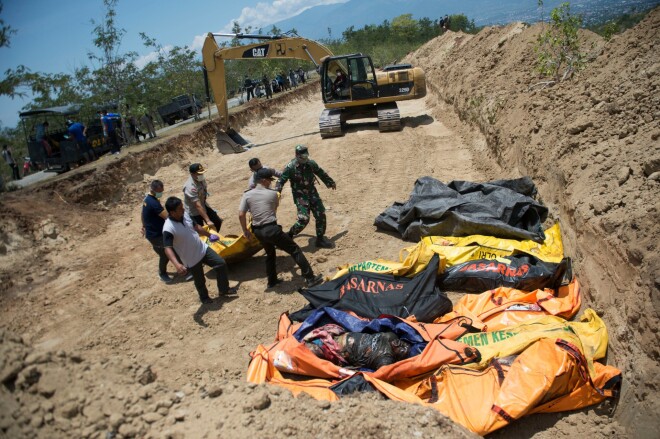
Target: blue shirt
point(109, 122)
point(153, 223)
point(76, 130)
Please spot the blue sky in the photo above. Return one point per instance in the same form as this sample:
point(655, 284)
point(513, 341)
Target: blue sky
point(55, 37)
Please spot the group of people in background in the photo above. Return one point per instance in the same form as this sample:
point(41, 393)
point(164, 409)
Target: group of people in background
point(137, 121)
point(174, 229)
point(281, 82)
point(113, 132)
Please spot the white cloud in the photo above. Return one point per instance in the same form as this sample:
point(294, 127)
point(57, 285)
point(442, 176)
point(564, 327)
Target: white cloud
point(268, 13)
point(151, 56)
point(198, 42)
point(265, 14)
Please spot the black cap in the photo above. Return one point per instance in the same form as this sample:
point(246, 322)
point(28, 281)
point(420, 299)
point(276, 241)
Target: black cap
point(263, 174)
point(196, 168)
point(301, 149)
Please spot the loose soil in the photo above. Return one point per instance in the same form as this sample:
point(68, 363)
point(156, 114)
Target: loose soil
point(93, 344)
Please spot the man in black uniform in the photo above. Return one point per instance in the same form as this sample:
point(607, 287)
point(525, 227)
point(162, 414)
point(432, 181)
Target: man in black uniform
point(262, 203)
point(153, 219)
point(249, 87)
point(267, 87)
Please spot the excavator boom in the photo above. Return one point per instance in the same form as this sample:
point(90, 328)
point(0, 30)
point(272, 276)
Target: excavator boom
point(277, 47)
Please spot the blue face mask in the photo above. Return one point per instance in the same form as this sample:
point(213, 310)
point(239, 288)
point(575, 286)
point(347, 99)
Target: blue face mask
point(158, 194)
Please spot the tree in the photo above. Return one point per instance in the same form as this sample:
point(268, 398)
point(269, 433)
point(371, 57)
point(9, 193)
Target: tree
point(610, 29)
point(235, 29)
point(115, 68)
point(558, 45)
point(405, 27)
point(176, 71)
point(460, 22)
point(14, 78)
point(428, 29)
point(6, 31)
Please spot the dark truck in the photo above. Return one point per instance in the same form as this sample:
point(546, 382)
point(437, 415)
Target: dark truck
point(181, 108)
point(64, 151)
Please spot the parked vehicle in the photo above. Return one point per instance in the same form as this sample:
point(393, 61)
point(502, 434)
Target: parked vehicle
point(57, 151)
point(181, 108)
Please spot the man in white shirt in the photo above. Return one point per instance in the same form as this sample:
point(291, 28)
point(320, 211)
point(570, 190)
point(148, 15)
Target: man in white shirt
point(181, 234)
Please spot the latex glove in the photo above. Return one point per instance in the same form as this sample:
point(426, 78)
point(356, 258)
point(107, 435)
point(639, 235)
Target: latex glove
point(214, 238)
point(181, 269)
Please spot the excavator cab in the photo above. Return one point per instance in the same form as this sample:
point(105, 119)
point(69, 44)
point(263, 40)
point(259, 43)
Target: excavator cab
point(348, 78)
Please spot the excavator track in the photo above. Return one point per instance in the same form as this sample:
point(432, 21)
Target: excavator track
point(330, 123)
point(388, 117)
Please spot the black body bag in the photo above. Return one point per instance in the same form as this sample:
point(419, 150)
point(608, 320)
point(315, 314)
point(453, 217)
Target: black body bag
point(371, 295)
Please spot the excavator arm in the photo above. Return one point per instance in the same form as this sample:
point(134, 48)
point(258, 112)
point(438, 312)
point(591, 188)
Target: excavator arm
point(273, 47)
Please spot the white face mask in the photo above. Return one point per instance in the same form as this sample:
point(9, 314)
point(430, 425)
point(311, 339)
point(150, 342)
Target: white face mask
point(201, 178)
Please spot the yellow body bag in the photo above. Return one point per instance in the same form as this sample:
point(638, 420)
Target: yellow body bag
point(232, 248)
point(455, 250)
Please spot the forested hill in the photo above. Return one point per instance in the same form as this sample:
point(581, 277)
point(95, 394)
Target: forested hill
point(359, 13)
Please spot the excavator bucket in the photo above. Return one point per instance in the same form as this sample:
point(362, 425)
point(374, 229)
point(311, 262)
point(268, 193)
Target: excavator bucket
point(230, 142)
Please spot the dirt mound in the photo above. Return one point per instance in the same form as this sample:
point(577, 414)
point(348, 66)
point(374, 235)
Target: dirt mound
point(64, 394)
point(591, 145)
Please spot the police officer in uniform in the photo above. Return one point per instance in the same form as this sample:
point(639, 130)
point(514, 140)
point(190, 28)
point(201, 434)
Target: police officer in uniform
point(302, 173)
point(262, 203)
point(195, 194)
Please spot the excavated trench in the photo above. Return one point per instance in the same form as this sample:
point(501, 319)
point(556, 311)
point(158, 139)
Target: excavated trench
point(567, 138)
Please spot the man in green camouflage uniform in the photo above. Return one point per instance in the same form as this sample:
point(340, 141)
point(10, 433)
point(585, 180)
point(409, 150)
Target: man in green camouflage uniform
point(302, 173)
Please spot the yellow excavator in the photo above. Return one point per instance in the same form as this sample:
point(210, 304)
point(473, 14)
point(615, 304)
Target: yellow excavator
point(351, 88)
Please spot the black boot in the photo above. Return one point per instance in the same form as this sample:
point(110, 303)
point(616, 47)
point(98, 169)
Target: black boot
point(273, 283)
point(313, 281)
point(323, 242)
